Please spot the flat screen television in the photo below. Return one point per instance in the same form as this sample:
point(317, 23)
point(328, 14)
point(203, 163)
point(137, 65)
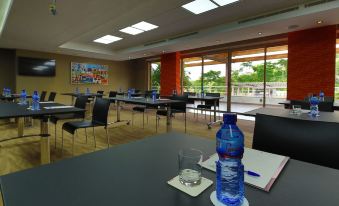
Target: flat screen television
point(35, 67)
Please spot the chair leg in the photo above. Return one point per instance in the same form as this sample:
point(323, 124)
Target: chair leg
point(73, 145)
point(86, 134)
point(95, 143)
point(107, 137)
point(62, 141)
point(55, 135)
point(143, 120)
point(156, 123)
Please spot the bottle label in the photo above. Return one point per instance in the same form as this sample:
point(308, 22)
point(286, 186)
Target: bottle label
point(231, 145)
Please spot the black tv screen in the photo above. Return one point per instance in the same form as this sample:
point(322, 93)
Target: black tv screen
point(36, 67)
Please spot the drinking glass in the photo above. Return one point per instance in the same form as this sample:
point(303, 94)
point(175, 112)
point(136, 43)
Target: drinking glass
point(189, 167)
point(296, 109)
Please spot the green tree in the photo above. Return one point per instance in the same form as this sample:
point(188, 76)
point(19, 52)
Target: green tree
point(337, 70)
point(156, 75)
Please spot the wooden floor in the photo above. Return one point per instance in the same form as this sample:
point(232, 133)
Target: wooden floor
point(20, 154)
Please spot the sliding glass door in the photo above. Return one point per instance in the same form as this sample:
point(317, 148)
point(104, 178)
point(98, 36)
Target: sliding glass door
point(192, 74)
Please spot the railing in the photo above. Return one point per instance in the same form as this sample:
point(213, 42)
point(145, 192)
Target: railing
point(246, 89)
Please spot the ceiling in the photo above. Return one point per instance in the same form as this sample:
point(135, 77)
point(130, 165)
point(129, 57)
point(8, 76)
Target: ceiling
point(31, 26)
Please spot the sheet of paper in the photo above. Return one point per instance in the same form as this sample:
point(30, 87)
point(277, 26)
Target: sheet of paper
point(49, 102)
point(59, 107)
point(266, 164)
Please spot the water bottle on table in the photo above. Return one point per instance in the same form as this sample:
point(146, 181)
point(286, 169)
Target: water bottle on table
point(321, 96)
point(88, 91)
point(35, 101)
point(129, 93)
point(154, 95)
point(230, 170)
point(314, 109)
point(23, 97)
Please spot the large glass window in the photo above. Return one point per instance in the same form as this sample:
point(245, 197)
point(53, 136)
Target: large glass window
point(247, 80)
point(192, 79)
point(337, 73)
point(155, 75)
point(276, 75)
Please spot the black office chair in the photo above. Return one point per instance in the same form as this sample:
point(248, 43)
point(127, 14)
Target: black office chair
point(179, 107)
point(112, 94)
point(99, 119)
point(143, 109)
point(209, 103)
point(51, 96)
point(80, 102)
point(306, 140)
point(43, 96)
point(101, 93)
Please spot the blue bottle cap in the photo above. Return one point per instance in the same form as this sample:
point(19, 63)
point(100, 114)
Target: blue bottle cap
point(230, 118)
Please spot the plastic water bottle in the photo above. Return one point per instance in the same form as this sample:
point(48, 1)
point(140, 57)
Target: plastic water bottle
point(230, 170)
point(23, 97)
point(35, 101)
point(129, 93)
point(88, 91)
point(154, 95)
point(314, 109)
point(77, 90)
point(321, 96)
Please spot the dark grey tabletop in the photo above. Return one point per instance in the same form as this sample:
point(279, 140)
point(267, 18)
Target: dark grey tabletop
point(324, 116)
point(144, 101)
point(82, 94)
point(204, 98)
point(14, 110)
point(136, 174)
point(13, 96)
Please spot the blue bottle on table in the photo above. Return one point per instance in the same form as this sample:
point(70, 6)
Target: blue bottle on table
point(154, 95)
point(230, 170)
point(23, 97)
point(88, 91)
point(314, 109)
point(321, 96)
point(35, 101)
point(129, 92)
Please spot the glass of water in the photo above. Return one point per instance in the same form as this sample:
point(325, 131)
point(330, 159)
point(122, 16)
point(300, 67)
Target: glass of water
point(189, 167)
point(296, 109)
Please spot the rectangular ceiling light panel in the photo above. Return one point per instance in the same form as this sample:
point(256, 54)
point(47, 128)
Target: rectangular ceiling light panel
point(200, 6)
point(131, 30)
point(145, 26)
point(107, 39)
point(225, 2)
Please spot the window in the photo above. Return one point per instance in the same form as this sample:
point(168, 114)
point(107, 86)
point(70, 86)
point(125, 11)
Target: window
point(155, 75)
point(337, 73)
point(247, 80)
point(192, 79)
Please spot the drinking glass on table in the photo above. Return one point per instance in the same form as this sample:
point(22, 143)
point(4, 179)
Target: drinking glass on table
point(189, 167)
point(296, 109)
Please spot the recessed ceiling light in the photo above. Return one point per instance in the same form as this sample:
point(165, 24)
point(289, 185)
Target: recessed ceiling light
point(260, 33)
point(224, 2)
point(145, 26)
point(320, 22)
point(107, 39)
point(131, 30)
point(199, 6)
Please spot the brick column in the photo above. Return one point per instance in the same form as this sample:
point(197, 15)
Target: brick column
point(170, 73)
point(311, 62)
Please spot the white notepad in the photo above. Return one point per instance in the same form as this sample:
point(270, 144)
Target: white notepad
point(49, 102)
point(266, 164)
point(59, 107)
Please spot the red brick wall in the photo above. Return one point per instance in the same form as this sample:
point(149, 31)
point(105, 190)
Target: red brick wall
point(170, 73)
point(311, 62)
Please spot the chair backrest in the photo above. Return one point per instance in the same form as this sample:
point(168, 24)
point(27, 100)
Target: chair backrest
point(80, 103)
point(51, 96)
point(100, 111)
point(310, 141)
point(190, 101)
point(180, 106)
point(100, 92)
point(112, 94)
point(43, 96)
point(211, 102)
point(323, 106)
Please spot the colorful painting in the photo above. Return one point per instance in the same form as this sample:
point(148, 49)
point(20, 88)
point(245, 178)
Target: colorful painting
point(85, 73)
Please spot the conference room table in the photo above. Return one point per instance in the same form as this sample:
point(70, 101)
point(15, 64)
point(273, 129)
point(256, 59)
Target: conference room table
point(287, 113)
point(75, 95)
point(12, 97)
point(287, 104)
point(137, 174)
point(15, 110)
point(146, 102)
point(208, 98)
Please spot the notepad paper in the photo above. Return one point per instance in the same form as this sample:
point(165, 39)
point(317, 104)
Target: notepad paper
point(266, 164)
point(59, 107)
point(49, 102)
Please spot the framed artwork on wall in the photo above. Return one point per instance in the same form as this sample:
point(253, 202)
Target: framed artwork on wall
point(87, 73)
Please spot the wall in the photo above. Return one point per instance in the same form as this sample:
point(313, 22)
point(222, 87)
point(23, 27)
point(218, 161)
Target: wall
point(120, 75)
point(140, 74)
point(7, 72)
point(311, 62)
point(170, 73)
